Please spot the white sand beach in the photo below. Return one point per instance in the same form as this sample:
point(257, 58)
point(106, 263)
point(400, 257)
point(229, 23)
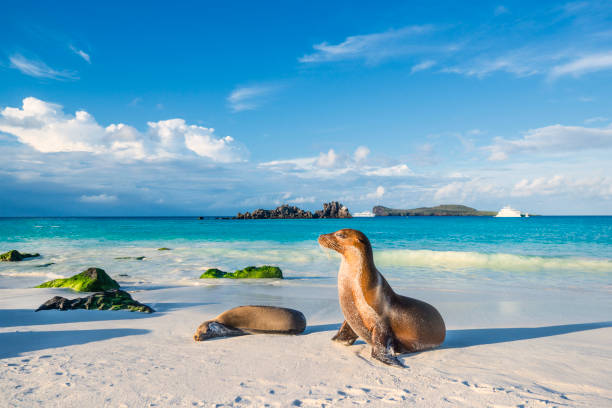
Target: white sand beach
point(505, 347)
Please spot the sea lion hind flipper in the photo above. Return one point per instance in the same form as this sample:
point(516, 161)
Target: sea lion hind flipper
point(345, 335)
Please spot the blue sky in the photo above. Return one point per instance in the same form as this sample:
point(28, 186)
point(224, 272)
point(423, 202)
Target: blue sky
point(209, 108)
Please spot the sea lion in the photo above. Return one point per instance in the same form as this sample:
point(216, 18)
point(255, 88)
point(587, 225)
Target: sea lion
point(251, 320)
point(389, 322)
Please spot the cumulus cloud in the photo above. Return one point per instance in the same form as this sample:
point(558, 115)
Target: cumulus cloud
point(552, 139)
point(38, 69)
point(380, 191)
point(370, 47)
point(249, 97)
point(332, 164)
point(81, 53)
point(45, 127)
point(98, 199)
point(361, 153)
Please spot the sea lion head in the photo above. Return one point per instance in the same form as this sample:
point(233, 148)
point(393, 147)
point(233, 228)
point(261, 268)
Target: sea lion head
point(211, 328)
point(346, 240)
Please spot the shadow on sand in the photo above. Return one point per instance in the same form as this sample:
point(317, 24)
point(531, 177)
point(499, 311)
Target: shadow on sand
point(321, 328)
point(167, 306)
point(28, 317)
point(16, 343)
point(477, 337)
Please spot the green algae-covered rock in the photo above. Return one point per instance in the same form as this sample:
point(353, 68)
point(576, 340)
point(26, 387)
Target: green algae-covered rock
point(108, 300)
point(15, 256)
point(213, 273)
point(250, 272)
point(91, 280)
point(163, 249)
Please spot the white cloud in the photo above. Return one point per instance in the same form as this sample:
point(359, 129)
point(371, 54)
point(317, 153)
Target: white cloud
point(552, 139)
point(327, 159)
point(301, 200)
point(249, 97)
point(460, 191)
point(560, 185)
point(422, 66)
point(361, 153)
point(38, 69)
point(371, 47)
point(393, 171)
point(81, 53)
point(45, 127)
point(596, 119)
point(332, 164)
point(99, 199)
point(583, 65)
point(380, 191)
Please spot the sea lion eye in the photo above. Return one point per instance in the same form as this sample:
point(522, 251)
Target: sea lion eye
point(341, 235)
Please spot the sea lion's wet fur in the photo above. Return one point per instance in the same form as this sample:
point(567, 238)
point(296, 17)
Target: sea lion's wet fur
point(389, 322)
point(243, 320)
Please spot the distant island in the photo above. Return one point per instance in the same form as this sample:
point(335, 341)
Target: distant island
point(330, 210)
point(440, 210)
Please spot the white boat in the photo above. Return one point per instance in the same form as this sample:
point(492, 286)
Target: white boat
point(508, 212)
point(364, 214)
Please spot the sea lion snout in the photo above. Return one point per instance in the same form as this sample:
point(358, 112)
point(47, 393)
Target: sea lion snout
point(344, 238)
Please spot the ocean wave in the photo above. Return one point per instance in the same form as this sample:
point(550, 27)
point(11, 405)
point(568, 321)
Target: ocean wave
point(49, 275)
point(455, 260)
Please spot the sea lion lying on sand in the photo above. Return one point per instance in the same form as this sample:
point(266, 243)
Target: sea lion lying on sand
point(251, 320)
point(389, 322)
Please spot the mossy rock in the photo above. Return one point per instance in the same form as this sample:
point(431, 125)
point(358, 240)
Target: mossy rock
point(163, 249)
point(91, 280)
point(213, 273)
point(15, 256)
point(250, 272)
point(108, 300)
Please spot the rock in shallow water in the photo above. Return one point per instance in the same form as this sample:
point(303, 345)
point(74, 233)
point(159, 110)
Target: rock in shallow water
point(250, 272)
point(15, 256)
point(107, 300)
point(91, 280)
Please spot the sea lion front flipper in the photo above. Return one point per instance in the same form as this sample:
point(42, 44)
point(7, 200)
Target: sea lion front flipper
point(382, 345)
point(345, 335)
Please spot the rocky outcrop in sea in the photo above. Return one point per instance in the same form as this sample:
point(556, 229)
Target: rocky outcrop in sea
point(330, 210)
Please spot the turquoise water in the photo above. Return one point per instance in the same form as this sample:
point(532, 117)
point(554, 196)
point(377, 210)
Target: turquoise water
point(558, 250)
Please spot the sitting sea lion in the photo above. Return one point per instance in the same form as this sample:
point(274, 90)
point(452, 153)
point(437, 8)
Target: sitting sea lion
point(389, 322)
point(251, 320)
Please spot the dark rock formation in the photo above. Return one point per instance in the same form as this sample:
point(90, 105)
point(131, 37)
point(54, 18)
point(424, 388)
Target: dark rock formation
point(135, 258)
point(15, 256)
point(250, 272)
point(108, 300)
point(91, 280)
point(330, 210)
point(333, 210)
point(440, 210)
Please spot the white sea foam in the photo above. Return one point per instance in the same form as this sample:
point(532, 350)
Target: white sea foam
point(454, 260)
